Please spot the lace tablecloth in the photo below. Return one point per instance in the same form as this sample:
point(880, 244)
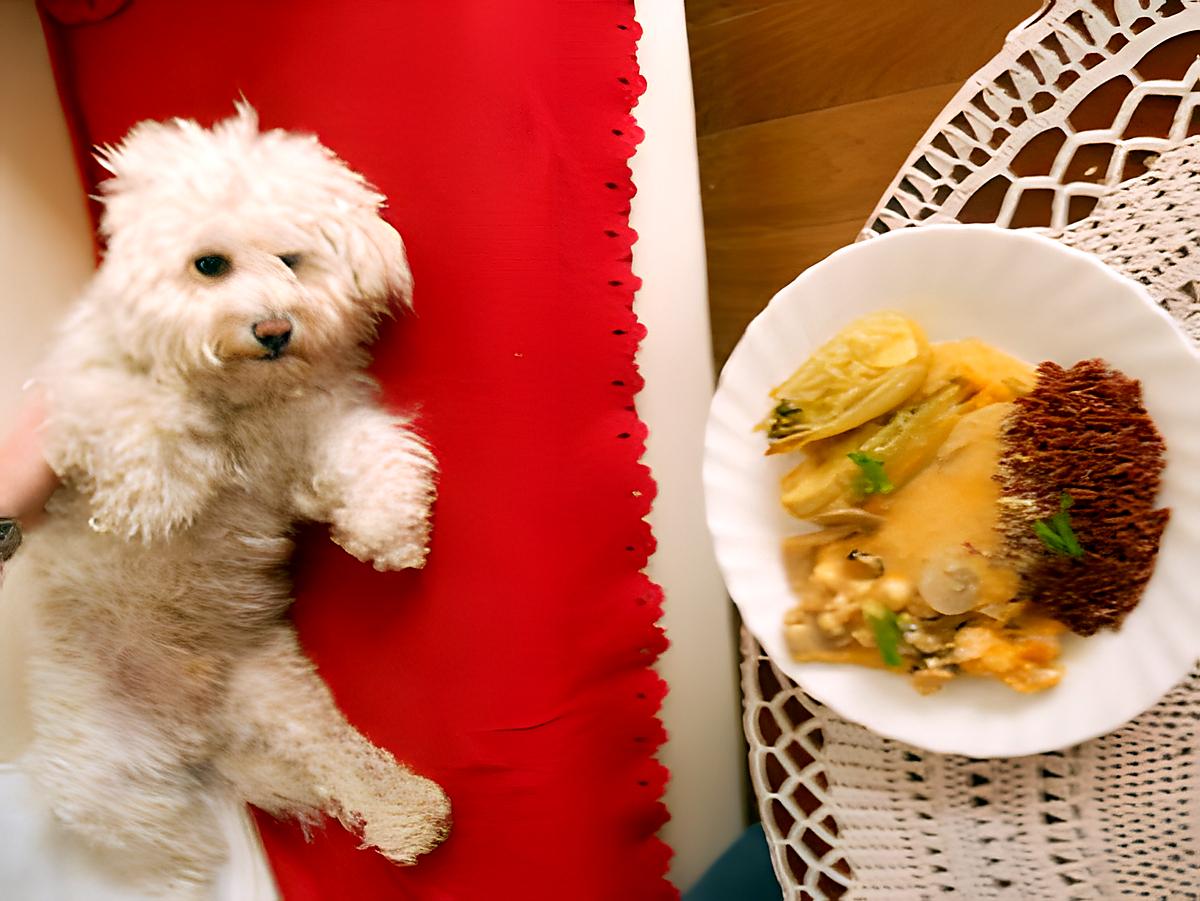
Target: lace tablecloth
point(1082, 128)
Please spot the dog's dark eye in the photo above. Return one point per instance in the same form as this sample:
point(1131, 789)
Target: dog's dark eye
point(291, 260)
point(212, 265)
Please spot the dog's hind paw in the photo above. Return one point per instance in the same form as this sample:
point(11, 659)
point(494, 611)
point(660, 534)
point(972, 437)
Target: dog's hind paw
point(404, 834)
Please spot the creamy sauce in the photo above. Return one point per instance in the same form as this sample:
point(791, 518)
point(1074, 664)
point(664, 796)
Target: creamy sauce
point(939, 530)
point(948, 510)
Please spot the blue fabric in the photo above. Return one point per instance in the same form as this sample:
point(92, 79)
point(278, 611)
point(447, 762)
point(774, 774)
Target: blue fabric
point(742, 873)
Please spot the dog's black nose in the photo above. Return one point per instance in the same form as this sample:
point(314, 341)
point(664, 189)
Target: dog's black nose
point(273, 334)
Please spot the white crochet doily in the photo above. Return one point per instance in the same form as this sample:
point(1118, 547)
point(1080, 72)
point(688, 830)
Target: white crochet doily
point(1082, 128)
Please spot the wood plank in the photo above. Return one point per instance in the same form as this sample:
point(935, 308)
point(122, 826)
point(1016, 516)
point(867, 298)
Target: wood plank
point(710, 12)
point(781, 195)
point(747, 265)
point(753, 62)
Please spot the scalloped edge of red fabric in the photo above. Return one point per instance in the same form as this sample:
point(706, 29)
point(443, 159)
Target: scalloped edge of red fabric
point(647, 687)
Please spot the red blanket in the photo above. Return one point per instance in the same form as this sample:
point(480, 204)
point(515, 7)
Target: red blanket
point(514, 670)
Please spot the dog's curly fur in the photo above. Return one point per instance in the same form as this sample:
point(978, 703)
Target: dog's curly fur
point(162, 668)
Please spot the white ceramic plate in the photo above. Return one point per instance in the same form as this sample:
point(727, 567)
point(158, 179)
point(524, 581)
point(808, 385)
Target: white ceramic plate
point(1036, 299)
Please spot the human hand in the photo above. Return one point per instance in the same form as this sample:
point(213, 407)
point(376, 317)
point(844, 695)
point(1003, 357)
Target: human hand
point(26, 480)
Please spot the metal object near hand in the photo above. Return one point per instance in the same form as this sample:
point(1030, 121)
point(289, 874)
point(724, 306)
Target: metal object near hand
point(10, 538)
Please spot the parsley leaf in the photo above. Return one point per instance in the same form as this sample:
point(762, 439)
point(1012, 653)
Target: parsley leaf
point(873, 479)
point(886, 629)
point(1056, 532)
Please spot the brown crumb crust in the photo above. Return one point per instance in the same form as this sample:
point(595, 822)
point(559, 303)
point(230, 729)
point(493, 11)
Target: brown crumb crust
point(1084, 432)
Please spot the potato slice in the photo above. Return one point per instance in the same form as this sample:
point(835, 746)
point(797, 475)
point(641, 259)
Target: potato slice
point(869, 368)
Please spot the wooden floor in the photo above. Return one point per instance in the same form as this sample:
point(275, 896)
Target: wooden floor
point(805, 110)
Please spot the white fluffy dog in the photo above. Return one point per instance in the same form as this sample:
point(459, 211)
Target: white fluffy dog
point(206, 393)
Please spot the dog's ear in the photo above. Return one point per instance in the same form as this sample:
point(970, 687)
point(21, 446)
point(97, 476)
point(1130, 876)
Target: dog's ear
point(374, 252)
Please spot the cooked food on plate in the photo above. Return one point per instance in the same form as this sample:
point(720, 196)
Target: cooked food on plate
point(966, 509)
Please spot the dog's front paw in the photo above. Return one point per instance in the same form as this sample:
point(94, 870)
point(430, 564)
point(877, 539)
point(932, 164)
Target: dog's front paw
point(375, 482)
point(387, 539)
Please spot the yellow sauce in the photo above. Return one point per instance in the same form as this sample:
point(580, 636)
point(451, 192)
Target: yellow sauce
point(949, 508)
point(947, 515)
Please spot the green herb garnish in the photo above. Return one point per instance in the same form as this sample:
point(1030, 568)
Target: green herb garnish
point(1056, 532)
point(873, 479)
point(886, 629)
